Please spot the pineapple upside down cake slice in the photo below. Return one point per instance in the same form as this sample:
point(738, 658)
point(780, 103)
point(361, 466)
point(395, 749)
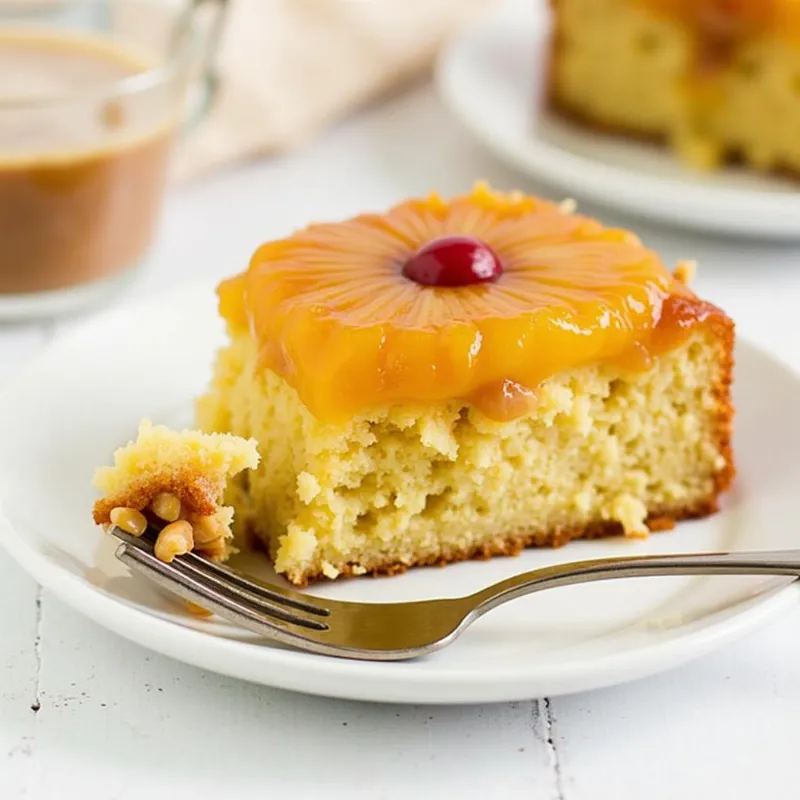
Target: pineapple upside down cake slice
point(466, 378)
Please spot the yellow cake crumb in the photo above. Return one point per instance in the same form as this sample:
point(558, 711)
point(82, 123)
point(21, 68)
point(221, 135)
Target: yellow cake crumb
point(307, 487)
point(631, 513)
point(410, 485)
point(686, 272)
point(329, 571)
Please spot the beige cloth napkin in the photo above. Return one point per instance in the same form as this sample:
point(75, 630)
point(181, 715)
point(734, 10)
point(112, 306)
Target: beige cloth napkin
point(289, 67)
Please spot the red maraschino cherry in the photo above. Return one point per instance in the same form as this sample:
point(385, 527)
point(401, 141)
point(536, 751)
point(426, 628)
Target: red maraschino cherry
point(453, 261)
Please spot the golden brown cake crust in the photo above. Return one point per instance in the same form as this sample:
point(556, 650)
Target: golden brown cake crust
point(193, 489)
point(724, 329)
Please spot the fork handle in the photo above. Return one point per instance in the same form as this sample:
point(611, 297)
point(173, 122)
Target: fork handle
point(782, 562)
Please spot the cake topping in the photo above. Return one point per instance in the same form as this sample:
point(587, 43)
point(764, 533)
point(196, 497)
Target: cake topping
point(728, 20)
point(166, 506)
point(720, 27)
point(130, 520)
point(332, 313)
point(453, 261)
point(175, 539)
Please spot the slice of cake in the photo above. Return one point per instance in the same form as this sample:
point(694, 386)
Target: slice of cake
point(177, 480)
point(715, 79)
point(465, 379)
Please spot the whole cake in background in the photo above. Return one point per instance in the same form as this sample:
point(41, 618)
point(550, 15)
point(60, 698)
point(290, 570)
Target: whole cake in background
point(466, 378)
point(717, 80)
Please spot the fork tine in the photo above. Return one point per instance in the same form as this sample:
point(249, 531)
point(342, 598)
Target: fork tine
point(224, 578)
point(222, 575)
point(254, 614)
point(371, 631)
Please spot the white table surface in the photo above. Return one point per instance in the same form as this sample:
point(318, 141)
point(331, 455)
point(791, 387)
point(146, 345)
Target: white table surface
point(85, 714)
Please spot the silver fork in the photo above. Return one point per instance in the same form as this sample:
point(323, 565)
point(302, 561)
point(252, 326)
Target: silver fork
point(397, 631)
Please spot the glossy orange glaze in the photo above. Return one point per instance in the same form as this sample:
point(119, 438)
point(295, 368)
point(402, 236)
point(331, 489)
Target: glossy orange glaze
point(721, 26)
point(723, 15)
point(332, 313)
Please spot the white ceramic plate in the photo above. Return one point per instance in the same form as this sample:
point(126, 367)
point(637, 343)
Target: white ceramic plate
point(491, 77)
point(152, 359)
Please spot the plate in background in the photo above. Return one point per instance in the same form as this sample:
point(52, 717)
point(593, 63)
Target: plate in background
point(115, 369)
point(491, 77)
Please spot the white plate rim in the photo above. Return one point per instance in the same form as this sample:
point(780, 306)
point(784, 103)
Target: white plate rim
point(736, 211)
point(358, 680)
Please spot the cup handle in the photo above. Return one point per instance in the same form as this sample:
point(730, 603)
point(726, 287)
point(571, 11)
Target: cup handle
point(209, 80)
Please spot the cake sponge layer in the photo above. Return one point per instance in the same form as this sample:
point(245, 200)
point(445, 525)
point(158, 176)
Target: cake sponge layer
point(603, 453)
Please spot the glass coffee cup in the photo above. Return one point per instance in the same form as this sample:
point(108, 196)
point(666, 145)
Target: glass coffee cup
point(93, 95)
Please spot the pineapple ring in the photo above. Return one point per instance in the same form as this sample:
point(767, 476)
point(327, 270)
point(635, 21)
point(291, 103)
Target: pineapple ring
point(333, 314)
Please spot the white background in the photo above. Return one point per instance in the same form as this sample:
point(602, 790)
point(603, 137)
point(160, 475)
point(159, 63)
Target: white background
point(115, 721)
